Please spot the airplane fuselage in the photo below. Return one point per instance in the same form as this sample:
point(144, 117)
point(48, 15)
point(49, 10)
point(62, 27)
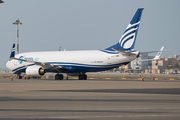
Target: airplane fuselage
point(74, 61)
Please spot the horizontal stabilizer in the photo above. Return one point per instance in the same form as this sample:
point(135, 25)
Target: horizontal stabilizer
point(123, 52)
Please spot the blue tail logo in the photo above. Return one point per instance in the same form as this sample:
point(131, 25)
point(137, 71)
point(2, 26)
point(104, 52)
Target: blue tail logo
point(127, 41)
point(128, 38)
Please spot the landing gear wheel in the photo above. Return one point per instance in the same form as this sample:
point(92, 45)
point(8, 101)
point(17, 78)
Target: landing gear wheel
point(82, 77)
point(61, 77)
point(58, 77)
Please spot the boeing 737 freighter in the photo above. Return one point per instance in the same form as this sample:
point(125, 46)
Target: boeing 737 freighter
point(79, 62)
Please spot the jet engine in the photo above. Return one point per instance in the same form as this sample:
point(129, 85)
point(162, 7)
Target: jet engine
point(35, 70)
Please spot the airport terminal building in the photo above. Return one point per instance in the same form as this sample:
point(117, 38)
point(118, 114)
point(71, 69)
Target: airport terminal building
point(169, 65)
point(164, 65)
point(138, 64)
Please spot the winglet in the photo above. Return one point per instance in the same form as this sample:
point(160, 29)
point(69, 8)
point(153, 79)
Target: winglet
point(12, 51)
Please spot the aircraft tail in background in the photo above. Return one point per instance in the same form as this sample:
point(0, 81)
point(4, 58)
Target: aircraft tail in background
point(158, 54)
point(12, 51)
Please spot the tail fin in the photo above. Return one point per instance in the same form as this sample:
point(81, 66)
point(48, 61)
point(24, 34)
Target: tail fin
point(128, 39)
point(12, 51)
point(158, 54)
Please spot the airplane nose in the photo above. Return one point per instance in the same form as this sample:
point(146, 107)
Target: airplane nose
point(7, 64)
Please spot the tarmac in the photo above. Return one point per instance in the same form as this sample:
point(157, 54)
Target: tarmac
point(91, 99)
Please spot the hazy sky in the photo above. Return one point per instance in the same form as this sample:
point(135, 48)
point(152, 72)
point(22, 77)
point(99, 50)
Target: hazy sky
point(87, 25)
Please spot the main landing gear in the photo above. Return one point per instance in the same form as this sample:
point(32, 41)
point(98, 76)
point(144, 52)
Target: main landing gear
point(82, 76)
point(59, 77)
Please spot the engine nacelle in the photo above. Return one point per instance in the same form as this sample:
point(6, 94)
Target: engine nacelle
point(35, 70)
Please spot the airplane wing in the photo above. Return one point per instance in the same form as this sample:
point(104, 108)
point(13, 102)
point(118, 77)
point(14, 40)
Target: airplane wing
point(44, 65)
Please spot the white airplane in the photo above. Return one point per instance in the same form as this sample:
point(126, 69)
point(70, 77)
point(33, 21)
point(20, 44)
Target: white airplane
point(78, 62)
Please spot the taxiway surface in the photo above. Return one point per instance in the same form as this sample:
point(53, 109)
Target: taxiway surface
point(89, 99)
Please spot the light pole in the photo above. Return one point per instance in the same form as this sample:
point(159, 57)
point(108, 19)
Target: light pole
point(17, 23)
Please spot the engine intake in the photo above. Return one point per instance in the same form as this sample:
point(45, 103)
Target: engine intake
point(42, 71)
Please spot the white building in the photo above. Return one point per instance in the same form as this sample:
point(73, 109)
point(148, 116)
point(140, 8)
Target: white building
point(142, 65)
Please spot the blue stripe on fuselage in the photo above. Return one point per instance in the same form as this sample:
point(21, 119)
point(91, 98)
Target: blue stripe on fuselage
point(75, 67)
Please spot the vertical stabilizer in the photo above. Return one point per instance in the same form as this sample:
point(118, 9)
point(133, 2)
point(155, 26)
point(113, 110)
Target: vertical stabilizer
point(158, 54)
point(128, 39)
point(12, 51)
